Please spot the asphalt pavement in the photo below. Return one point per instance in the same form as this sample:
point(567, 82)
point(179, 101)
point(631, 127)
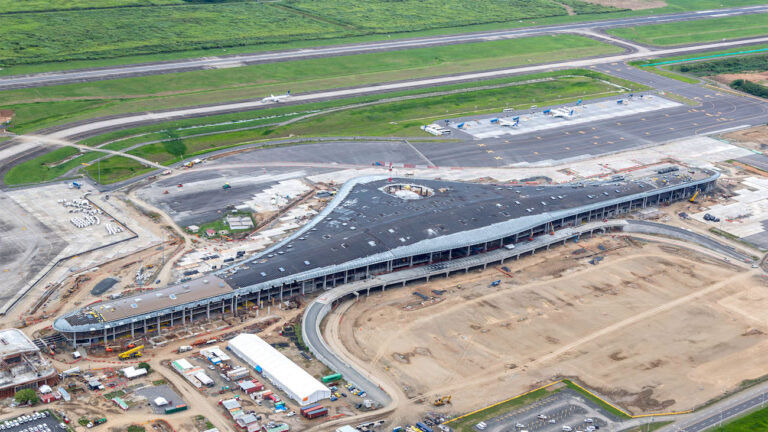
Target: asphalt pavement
point(124, 71)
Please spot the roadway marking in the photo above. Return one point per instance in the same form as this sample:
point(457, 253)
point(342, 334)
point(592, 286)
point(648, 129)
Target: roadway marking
point(489, 151)
point(497, 157)
point(481, 145)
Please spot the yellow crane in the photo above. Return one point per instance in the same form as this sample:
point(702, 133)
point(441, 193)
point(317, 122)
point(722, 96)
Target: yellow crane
point(693, 198)
point(442, 401)
point(131, 353)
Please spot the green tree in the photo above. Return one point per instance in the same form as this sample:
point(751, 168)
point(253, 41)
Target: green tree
point(24, 396)
point(145, 365)
point(83, 421)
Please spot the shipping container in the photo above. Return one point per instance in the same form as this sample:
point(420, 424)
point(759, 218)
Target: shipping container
point(308, 407)
point(317, 413)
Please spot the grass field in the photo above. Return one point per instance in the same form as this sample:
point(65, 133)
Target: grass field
point(724, 66)
point(757, 421)
point(371, 120)
point(73, 101)
point(408, 15)
point(115, 169)
point(14, 6)
point(706, 30)
point(168, 31)
point(48, 166)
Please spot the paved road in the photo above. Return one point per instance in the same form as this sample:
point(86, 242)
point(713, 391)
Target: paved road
point(721, 412)
point(684, 234)
point(85, 75)
point(91, 127)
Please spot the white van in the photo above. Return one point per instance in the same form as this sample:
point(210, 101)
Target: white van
point(481, 425)
point(509, 246)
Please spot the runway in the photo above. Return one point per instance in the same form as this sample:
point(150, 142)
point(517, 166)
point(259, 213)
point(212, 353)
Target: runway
point(96, 126)
point(132, 70)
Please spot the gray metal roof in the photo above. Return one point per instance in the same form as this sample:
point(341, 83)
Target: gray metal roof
point(364, 225)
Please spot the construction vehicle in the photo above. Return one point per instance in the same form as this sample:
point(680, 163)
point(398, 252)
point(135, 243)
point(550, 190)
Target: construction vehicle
point(131, 353)
point(693, 198)
point(442, 400)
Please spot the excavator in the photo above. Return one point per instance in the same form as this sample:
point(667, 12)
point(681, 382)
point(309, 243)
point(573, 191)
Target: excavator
point(442, 400)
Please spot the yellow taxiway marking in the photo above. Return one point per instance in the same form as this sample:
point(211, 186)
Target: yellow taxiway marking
point(481, 145)
point(497, 157)
point(489, 151)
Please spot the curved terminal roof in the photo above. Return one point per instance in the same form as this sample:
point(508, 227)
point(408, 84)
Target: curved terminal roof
point(369, 222)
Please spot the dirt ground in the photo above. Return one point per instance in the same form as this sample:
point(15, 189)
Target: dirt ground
point(654, 327)
point(755, 138)
point(630, 4)
point(757, 77)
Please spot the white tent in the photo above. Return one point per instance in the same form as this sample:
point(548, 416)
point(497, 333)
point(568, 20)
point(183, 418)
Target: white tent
point(279, 369)
point(133, 372)
point(160, 401)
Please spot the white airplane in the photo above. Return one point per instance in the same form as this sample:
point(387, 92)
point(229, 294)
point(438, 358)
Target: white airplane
point(514, 123)
point(278, 98)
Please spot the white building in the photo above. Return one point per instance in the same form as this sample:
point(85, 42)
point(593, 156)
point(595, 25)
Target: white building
point(279, 370)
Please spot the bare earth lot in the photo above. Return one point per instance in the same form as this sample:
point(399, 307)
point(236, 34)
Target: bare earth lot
point(654, 327)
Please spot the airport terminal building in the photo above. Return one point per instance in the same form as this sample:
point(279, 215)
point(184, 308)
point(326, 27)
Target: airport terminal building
point(378, 225)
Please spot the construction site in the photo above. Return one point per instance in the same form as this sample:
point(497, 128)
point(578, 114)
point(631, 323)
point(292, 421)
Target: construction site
point(594, 272)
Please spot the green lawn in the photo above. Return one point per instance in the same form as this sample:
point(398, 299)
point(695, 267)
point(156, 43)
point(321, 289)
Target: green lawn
point(758, 62)
point(155, 33)
point(371, 120)
point(466, 424)
point(401, 118)
point(115, 169)
point(757, 421)
point(48, 166)
point(76, 101)
point(13, 6)
point(221, 224)
point(706, 30)
point(73, 35)
point(408, 15)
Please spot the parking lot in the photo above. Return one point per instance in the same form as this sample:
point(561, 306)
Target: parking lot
point(39, 422)
point(564, 411)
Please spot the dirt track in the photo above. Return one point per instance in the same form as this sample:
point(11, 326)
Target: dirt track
point(626, 327)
